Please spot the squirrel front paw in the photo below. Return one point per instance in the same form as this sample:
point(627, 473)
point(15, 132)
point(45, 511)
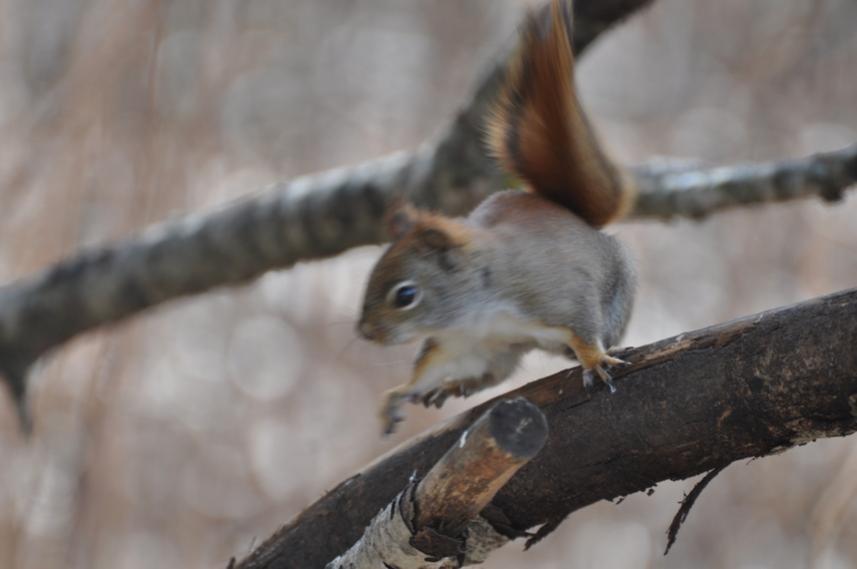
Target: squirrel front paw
point(456, 388)
point(391, 410)
point(436, 397)
point(390, 413)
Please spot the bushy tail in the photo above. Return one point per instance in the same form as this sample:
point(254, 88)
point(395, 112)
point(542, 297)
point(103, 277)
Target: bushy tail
point(540, 133)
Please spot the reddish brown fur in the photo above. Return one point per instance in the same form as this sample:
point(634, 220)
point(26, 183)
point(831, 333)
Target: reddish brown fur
point(540, 133)
point(424, 226)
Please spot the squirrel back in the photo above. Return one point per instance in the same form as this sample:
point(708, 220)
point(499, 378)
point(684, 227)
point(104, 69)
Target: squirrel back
point(539, 132)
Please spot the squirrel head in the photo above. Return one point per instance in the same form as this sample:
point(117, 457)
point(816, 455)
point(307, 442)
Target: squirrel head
point(423, 281)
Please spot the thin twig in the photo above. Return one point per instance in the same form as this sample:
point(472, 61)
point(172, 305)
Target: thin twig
point(686, 504)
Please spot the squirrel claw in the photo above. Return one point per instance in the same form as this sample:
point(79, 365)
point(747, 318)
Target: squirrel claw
point(589, 378)
point(435, 397)
point(614, 361)
point(391, 414)
point(390, 423)
point(611, 386)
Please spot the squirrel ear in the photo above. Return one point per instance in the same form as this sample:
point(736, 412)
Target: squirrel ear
point(436, 238)
point(442, 234)
point(444, 242)
point(399, 220)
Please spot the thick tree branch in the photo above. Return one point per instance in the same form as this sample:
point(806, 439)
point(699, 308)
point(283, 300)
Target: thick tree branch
point(751, 387)
point(308, 218)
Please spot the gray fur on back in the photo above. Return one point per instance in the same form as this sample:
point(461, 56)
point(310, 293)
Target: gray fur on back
point(555, 267)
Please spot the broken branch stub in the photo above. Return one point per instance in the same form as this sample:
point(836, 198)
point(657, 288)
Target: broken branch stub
point(465, 479)
point(435, 523)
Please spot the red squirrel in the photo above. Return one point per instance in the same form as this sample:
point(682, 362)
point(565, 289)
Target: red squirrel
point(527, 268)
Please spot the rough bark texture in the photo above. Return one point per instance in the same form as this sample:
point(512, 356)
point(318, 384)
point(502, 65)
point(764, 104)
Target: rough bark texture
point(699, 192)
point(487, 454)
point(747, 388)
point(387, 543)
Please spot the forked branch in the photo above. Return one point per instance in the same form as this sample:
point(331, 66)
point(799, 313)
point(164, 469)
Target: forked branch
point(325, 214)
point(435, 523)
point(307, 218)
point(689, 404)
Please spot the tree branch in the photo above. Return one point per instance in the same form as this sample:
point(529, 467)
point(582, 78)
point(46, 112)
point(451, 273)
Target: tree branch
point(698, 192)
point(689, 404)
point(322, 215)
point(686, 504)
point(308, 218)
point(438, 518)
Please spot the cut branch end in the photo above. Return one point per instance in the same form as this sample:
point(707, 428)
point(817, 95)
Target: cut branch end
point(467, 477)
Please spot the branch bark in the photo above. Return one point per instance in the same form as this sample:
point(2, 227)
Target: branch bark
point(699, 192)
point(435, 523)
point(748, 388)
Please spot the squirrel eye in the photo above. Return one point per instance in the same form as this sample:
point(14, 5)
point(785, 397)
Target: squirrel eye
point(404, 295)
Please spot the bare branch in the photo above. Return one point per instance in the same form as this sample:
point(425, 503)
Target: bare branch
point(697, 192)
point(434, 524)
point(322, 215)
point(318, 216)
point(308, 218)
point(689, 404)
point(687, 504)
point(468, 476)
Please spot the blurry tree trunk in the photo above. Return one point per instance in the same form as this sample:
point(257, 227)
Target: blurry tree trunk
point(748, 388)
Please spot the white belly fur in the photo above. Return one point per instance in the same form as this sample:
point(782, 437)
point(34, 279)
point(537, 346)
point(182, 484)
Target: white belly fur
point(504, 328)
point(492, 346)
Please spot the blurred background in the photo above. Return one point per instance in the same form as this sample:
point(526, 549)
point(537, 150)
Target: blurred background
point(188, 434)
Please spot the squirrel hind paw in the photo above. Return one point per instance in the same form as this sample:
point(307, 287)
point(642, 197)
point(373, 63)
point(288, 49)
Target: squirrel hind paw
point(589, 378)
